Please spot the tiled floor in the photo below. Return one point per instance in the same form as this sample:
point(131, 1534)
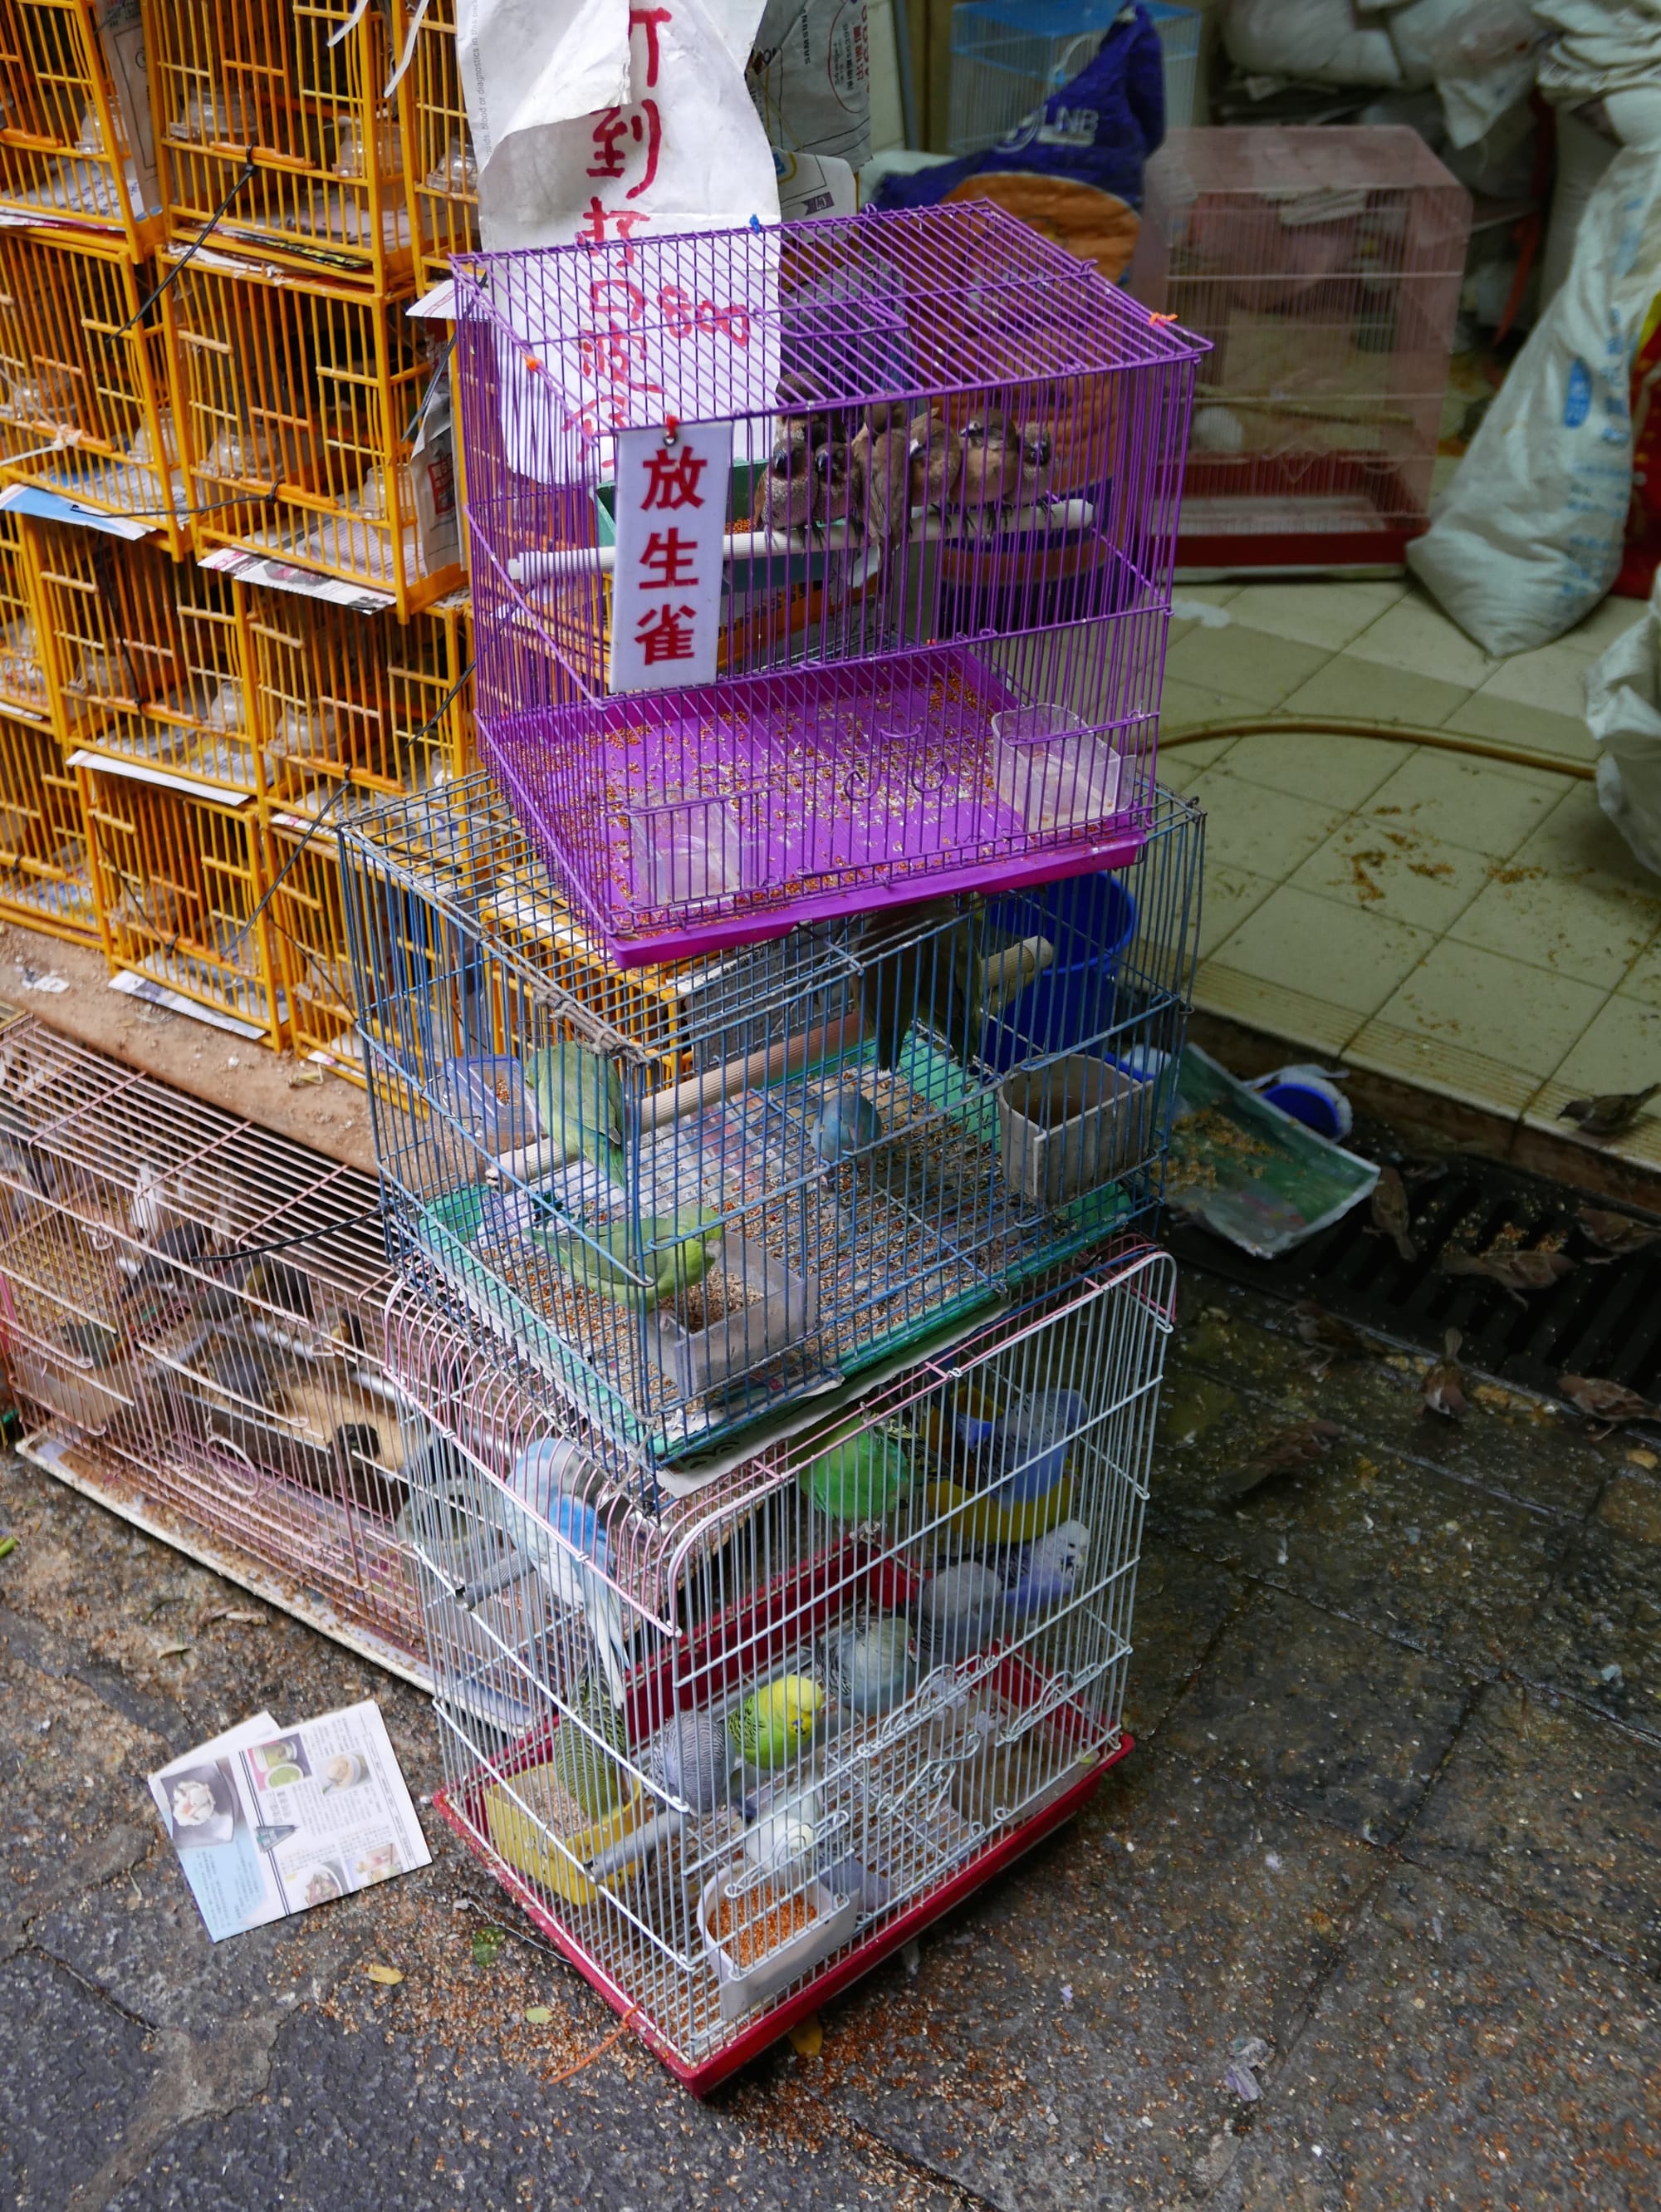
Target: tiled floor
point(1473, 927)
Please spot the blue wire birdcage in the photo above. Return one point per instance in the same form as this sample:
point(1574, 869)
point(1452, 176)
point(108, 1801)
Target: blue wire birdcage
point(690, 1195)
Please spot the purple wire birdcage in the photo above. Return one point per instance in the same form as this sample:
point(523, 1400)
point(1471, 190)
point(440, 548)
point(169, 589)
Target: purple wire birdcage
point(915, 644)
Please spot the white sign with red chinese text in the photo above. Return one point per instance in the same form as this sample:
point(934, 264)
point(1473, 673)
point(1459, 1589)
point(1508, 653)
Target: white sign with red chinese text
point(612, 119)
point(671, 529)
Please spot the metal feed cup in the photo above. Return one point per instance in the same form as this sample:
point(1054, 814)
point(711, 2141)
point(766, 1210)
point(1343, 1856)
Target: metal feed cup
point(1066, 1128)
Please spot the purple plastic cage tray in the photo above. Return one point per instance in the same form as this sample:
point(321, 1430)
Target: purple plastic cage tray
point(685, 832)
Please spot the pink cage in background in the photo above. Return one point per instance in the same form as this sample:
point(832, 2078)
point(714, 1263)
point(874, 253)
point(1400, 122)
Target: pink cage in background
point(1324, 265)
point(932, 660)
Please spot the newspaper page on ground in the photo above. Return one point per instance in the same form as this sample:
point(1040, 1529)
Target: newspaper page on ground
point(267, 1821)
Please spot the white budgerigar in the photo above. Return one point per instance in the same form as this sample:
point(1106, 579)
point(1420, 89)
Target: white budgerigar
point(1045, 1574)
point(537, 1479)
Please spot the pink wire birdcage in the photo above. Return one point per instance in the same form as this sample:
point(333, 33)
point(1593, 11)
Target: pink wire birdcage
point(1324, 265)
point(931, 659)
point(729, 1744)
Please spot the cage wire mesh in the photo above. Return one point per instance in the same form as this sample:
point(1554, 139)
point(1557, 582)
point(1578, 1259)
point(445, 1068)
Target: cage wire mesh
point(309, 935)
point(45, 875)
point(85, 388)
point(724, 1749)
point(230, 1397)
point(178, 875)
point(276, 128)
point(341, 694)
point(315, 428)
point(438, 161)
point(144, 657)
point(688, 1194)
point(24, 689)
point(956, 456)
point(1008, 57)
point(1324, 265)
point(74, 120)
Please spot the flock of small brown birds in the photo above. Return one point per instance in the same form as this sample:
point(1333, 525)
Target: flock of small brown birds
point(872, 469)
point(1606, 1405)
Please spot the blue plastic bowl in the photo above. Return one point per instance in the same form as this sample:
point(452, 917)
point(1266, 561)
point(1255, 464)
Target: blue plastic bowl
point(1089, 919)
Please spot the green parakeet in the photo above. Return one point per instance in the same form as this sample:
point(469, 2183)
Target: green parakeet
point(772, 1723)
point(582, 1769)
point(670, 1252)
point(579, 1096)
point(858, 1479)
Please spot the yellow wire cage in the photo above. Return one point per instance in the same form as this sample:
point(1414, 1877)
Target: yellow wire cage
point(439, 165)
point(363, 698)
point(145, 658)
point(86, 406)
point(23, 684)
point(390, 704)
point(77, 144)
point(309, 935)
point(315, 430)
point(274, 125)
point(45, 882)
point(177, 879)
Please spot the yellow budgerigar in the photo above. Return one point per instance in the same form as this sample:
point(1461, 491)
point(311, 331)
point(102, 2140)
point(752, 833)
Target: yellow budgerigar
point(773, 1723)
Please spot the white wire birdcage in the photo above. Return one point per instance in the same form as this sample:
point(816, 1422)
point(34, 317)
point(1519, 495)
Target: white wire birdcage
point(1010, 57)
point(1324, 265)
point(192, 1316)
point(729, 1746)
point(689, 1194)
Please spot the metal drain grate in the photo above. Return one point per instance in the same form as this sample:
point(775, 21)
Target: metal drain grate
point(1604, 1321)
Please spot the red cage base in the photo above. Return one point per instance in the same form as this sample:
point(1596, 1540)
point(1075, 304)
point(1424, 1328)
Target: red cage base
point(1292, 511)
point(856, 1963)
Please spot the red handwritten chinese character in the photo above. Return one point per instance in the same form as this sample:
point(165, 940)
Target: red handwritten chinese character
point(647, 19)
point(672, 557)
point(634, 300)
point(674, 480)
point(664, 633)
point(625, 222)
point(609, 132)
point(610, 153)
point(654, 140)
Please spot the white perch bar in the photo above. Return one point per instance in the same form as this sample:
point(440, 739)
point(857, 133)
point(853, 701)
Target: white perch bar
point(751, 544)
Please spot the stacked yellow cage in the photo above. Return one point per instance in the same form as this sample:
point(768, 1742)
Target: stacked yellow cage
point(230, 570)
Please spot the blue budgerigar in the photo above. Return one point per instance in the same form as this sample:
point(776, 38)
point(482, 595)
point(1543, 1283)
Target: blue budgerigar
point(537, 1477)
point(845, 1124)
point(958, 1611)
point(1044, 1575)
point(1033, 1441)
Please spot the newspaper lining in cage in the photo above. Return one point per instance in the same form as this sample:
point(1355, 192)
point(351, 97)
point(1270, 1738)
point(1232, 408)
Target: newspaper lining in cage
point(730, 1752)
point(228, 1396)
point(687, 1195)
point(945, 583)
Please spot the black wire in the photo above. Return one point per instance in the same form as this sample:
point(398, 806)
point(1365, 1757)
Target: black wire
point(250, 166)
point(283, 1245)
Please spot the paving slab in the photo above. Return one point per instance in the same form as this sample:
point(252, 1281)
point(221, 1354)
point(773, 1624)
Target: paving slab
point(1598, 1635)
point(1458, 2056)
point(1556, 1811)
point(1065, 2040)
point(1322, 1716)
point(1442, 1564)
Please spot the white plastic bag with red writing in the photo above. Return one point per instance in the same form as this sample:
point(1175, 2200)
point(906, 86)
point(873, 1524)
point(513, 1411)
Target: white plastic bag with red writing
point(606, 120)
point(624, 126)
